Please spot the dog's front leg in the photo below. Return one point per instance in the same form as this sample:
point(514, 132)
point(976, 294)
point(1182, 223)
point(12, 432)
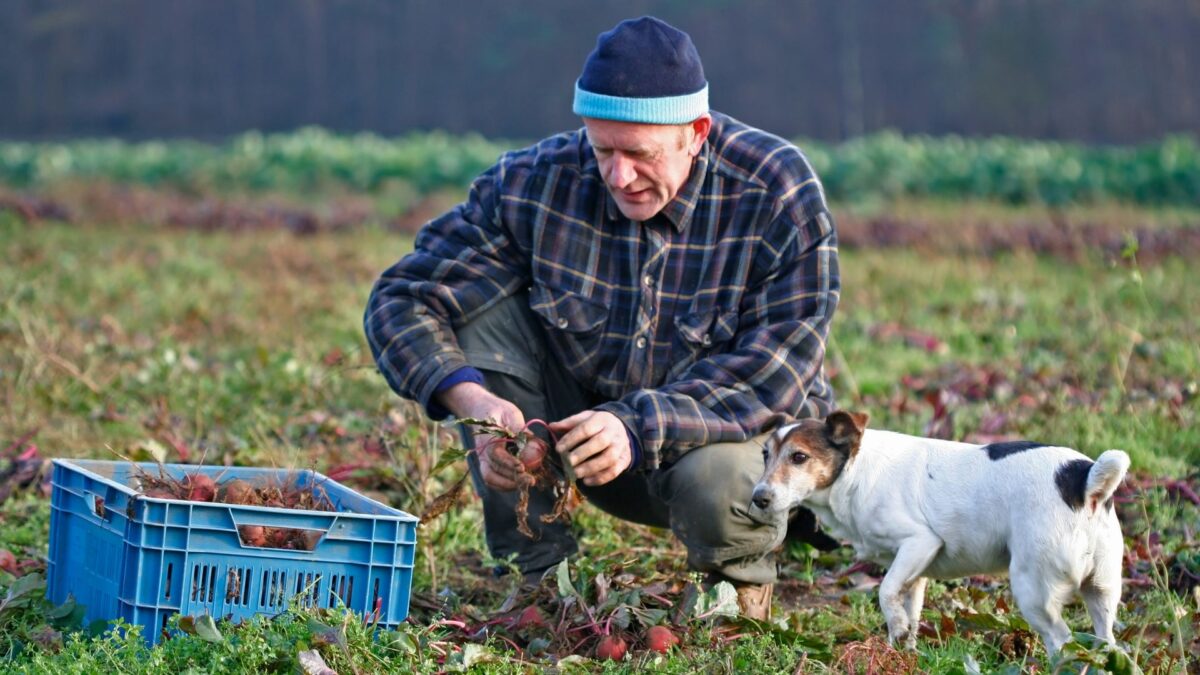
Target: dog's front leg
point(896, 593)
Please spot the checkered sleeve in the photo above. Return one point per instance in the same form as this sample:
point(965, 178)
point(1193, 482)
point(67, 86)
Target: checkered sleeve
point(774, 363)
point(463, 263)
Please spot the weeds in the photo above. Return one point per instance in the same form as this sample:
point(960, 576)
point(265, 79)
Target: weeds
point(247, 349)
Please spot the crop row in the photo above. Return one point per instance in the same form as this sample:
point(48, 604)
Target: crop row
point(884, 165)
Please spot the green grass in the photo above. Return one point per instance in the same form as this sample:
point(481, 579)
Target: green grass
point(247, 348)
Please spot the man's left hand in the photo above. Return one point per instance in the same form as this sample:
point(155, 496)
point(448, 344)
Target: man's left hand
point(595, 444)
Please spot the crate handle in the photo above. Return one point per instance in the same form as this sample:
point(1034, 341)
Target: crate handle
point(311, 544)
point(96, 504)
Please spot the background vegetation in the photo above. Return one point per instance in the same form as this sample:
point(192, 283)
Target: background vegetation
point(203, 303)
point(882, 166)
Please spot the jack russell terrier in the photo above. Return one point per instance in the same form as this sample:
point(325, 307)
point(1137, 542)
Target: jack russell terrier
point(933, 508)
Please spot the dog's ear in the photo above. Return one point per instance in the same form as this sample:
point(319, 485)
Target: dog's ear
point(845, 429)
point(777, 420)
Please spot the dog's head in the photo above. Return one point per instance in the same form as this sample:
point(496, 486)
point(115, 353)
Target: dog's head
point(804, 457)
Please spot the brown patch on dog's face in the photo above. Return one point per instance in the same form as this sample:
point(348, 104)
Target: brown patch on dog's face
point(807, 448)
point(806, 456)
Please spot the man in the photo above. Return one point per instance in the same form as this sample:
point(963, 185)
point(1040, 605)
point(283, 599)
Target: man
point(659, 284)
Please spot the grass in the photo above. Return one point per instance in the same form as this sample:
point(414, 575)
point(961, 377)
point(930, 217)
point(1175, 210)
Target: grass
point(246, 348)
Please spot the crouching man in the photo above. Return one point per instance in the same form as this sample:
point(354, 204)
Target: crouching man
point(658, 283)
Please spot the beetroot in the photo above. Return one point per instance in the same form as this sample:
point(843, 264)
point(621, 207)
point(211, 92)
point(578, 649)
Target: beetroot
point(200, 487)
point(238, 492)
point(532, 454)
point(660, 639)
point(8, 561)
point(611, 647)
point(530, 617)
point(253, 535)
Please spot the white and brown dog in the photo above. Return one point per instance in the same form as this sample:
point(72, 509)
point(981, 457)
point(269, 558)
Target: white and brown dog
point(932, 508)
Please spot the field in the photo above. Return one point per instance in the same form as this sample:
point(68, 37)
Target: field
point(242, 345)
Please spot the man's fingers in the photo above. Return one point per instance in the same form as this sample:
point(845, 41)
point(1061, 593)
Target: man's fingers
point(602, 478)
point(500, 469)
point(584, 451)
point(498, 482)
point(599, 470)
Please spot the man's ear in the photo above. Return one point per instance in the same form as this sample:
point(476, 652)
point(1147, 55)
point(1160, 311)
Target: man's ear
point(700, 128)
point(845, 429)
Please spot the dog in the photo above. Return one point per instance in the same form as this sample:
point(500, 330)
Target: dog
point(929, 508)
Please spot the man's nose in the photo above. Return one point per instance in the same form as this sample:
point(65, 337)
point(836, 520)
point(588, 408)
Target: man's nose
point(621, 173)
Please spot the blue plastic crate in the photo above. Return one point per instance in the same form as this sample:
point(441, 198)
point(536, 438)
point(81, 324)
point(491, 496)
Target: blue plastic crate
point(126, 555)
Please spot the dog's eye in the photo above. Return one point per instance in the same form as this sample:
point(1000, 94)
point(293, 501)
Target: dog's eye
point(799, 458)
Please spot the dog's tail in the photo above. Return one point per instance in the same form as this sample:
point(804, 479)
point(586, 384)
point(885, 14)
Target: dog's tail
point(1105, 476)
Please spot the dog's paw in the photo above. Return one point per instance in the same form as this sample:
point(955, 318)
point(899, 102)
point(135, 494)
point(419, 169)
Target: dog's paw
point(901, 637)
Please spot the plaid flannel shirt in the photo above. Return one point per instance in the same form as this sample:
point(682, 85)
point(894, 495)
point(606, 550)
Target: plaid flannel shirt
point(695, 326)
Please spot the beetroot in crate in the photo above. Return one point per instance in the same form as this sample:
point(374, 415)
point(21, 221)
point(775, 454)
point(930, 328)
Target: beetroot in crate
point(124, 553)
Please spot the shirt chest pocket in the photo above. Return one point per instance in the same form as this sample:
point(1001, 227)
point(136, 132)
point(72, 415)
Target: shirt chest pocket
point(705, 330)
point(574, 324)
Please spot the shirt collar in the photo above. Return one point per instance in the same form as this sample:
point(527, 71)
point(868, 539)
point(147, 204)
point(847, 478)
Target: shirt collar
point(680, 209)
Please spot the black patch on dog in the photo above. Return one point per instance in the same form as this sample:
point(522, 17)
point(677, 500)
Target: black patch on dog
point(998, 451)
point(803, 527)
point(1071, 479)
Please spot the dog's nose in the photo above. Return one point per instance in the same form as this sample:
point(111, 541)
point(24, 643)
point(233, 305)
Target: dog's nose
point(761, 498)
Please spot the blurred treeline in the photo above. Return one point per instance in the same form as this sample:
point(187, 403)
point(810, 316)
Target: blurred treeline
point(1109, 71)
point(879, 166)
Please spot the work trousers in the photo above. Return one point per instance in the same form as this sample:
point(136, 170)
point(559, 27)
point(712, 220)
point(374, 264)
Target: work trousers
point(703, 497)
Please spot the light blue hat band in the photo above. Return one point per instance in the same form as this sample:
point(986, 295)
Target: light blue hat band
point(664, 110)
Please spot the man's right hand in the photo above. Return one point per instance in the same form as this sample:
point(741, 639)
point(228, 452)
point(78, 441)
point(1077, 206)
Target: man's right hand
point(500, 469)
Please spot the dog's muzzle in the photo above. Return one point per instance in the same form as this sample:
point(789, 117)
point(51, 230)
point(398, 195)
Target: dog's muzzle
point(762, 498)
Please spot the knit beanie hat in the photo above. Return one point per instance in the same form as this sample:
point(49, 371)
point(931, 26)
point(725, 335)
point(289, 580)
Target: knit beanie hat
point(644, 70)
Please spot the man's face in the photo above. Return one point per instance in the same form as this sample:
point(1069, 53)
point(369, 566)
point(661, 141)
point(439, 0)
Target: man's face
point(643, 165)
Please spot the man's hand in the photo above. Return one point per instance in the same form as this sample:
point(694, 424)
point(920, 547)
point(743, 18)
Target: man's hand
point(500, 469)
point(595, 445)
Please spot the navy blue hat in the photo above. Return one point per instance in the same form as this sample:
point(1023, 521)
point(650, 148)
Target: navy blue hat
point(644, 70)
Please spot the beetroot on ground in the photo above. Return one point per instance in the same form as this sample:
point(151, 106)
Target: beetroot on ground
point(530, 617)
point(660, 639)
point(8, 561)
point(611, 647)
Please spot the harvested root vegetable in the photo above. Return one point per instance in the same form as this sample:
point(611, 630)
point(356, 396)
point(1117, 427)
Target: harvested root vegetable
point(532, 454)
point(238, 492)
point(529, 618)
point(8, 561)
point(660, 639)
point(253, 535)
point(200, 488)
point(611, 647)
point(275, 492)
point(531, 450)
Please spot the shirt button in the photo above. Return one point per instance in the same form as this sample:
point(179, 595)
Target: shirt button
point(562, 322)
point(706, 340)
point(648, 280)
point(641, 342)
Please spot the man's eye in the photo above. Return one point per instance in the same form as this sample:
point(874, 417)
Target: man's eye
point(799, 458)
point(602, 152)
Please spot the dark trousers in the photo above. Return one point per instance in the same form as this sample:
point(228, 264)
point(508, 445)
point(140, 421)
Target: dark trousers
point(702, 498)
